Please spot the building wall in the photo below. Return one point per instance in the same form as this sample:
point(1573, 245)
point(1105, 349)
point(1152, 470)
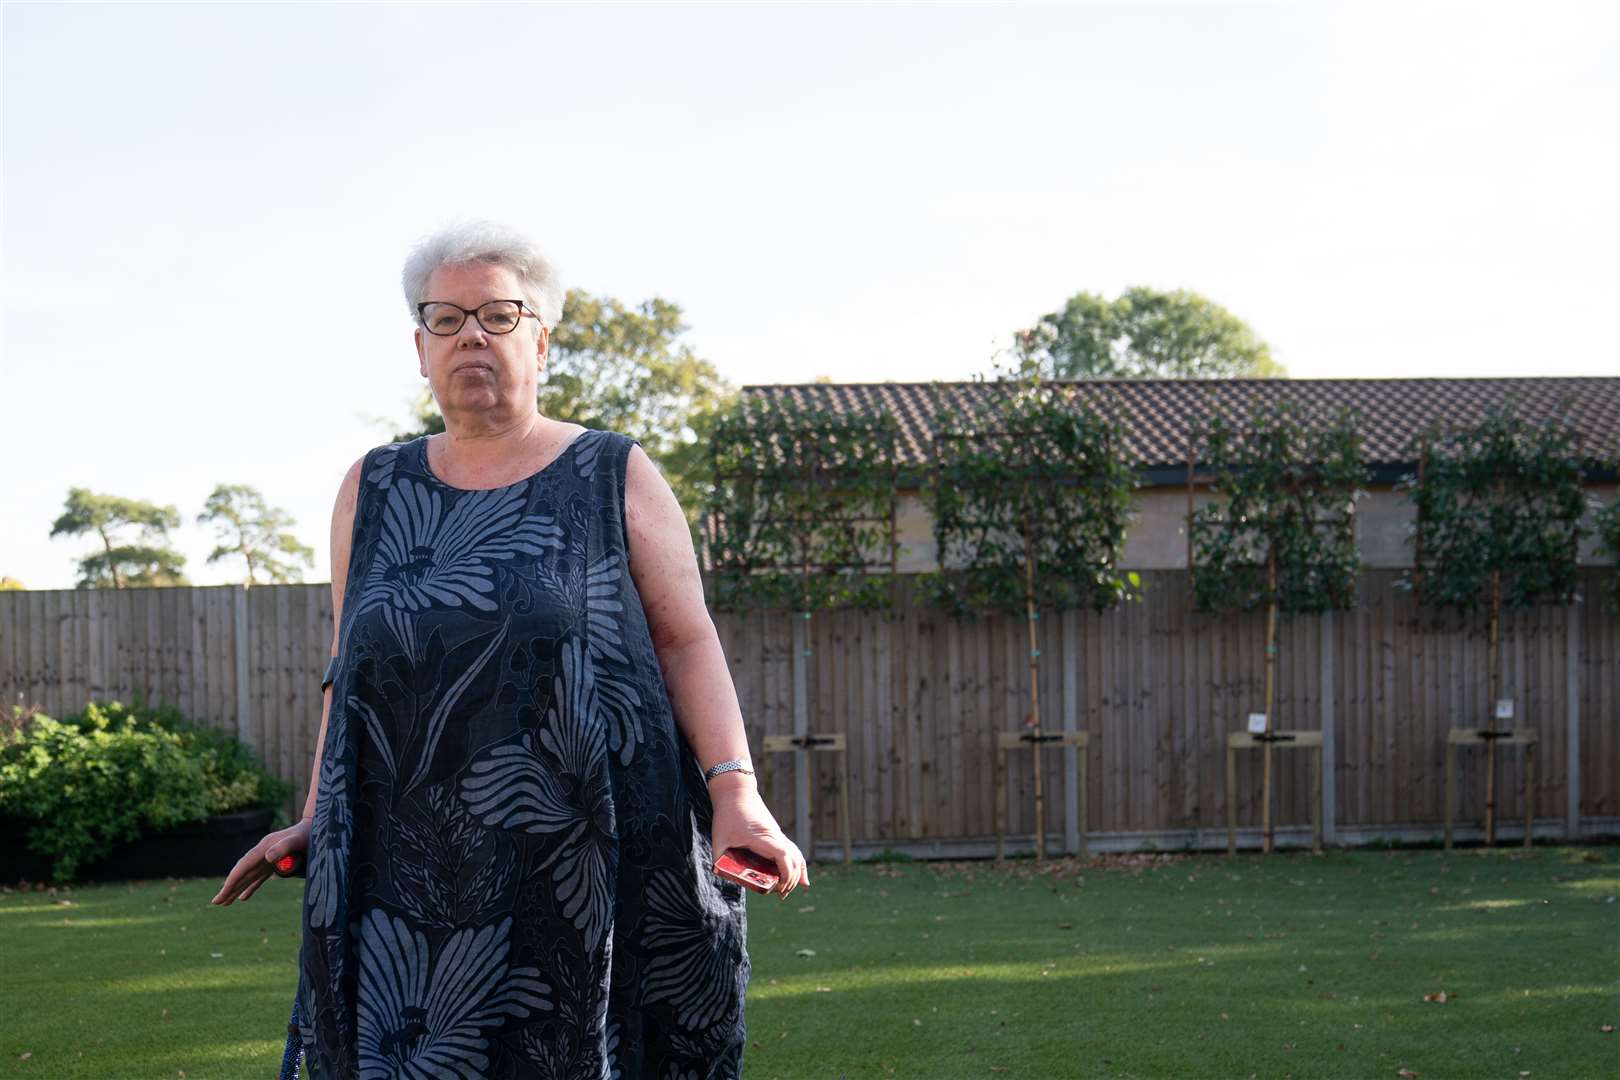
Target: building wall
point(1157, 539)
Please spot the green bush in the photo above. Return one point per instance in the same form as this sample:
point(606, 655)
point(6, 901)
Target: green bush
point(106, 775)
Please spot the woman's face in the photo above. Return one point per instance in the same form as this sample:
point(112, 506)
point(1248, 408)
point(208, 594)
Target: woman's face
point(472, 371)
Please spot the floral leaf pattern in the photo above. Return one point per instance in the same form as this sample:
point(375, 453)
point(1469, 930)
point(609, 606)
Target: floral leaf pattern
point(605, 635)
point(696, 965)
point(454, 872)
point(326, 872)
point(508, 871)
point(427, 556)
point(442, 710)
point(425, 1015)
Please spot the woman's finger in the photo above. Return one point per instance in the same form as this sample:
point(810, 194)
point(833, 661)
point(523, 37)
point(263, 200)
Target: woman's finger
point(233, 880)
point(243, 884)
point(247, 868)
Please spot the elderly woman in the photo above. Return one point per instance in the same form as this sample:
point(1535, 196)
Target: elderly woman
point(532, 750)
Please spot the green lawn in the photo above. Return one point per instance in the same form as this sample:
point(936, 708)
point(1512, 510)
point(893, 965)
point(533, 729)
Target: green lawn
point(1145, 966)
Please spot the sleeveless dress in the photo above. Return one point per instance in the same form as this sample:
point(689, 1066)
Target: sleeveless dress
point(509, 871)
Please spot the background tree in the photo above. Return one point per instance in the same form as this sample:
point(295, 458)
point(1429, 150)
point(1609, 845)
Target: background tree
point(1144, 334)
point(151, 561)
point(625, 369)
point(249, 528)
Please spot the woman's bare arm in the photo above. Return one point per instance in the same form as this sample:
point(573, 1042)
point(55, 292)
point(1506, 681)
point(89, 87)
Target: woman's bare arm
point(342, 534)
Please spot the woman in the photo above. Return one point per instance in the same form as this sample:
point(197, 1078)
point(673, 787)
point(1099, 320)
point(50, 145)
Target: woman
point(532, 750)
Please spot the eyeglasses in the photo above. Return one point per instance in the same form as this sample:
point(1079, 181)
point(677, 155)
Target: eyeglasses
point(496, 317)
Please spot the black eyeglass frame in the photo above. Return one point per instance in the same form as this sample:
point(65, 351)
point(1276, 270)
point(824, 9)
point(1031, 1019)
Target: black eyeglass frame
point(421, 316)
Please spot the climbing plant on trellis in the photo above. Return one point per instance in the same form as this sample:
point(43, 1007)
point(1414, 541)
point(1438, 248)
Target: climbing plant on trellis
point(801, 518)
point(1280, 535)
point(1607, 524)
point(1030, 489)
point(1499, 506)
point(802, 513)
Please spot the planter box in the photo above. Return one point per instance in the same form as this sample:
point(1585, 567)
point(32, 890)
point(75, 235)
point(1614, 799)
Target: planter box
point(193, 849)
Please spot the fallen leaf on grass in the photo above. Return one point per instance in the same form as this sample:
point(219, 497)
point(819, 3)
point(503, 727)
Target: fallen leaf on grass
point(1408, 1073)
point(1607, 1029)
point(25, 1055)
point(1439, 997)
point(807, 907)
point(805, 952)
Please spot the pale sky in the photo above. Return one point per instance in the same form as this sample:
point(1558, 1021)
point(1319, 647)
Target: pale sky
point(864, 192)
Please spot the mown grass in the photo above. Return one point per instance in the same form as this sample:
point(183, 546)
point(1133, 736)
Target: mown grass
point(1147, 966)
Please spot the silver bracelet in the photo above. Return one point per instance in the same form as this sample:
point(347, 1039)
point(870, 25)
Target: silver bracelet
point(734, 765)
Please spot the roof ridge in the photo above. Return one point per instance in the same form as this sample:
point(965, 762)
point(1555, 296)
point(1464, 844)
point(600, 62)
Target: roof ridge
point(1243, 381)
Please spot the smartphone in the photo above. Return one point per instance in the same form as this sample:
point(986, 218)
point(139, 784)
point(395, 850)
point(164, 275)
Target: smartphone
point(746, 868)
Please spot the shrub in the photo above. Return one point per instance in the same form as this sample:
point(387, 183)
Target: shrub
point(103, 776)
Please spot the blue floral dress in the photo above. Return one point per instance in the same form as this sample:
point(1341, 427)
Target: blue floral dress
point(509, 869)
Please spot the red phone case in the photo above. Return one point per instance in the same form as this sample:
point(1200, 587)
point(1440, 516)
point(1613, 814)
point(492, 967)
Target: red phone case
point(746, 868)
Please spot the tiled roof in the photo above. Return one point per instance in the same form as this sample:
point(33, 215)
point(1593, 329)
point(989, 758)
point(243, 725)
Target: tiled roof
point(1158, 412)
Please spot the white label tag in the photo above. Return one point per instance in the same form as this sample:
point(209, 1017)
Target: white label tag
point(1504, 708)
point(1257, 723)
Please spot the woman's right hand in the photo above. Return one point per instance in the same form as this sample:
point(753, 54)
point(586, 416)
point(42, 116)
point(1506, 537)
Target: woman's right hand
point(252, 869)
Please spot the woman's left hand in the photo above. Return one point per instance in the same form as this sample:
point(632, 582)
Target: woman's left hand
point(742, 820)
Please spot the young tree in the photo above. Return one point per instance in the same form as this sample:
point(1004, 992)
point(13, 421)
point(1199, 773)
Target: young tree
point(1143, 334)
point(1031, 497)
point(151, 561)
point(247, 527)
point(1280, 533)
point(801, 513)
point(1499, 508)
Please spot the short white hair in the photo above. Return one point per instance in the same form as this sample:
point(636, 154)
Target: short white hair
point(492, 243)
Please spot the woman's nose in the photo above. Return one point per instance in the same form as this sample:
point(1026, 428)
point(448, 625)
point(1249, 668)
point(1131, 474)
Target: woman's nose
point(471, 335)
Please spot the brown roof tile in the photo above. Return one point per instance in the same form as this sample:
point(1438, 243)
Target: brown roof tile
point(1158, 412)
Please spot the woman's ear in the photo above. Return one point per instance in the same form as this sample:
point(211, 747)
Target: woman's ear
point(421, 352)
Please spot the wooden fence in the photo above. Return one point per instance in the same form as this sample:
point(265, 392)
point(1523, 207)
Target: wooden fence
point(920, 696)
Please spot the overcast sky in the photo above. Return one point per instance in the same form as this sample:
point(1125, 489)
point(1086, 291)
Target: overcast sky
point(864, 192)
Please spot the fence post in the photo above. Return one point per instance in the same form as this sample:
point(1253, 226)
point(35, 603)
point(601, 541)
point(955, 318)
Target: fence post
point(1072, 840)
point(803, 773)
point(247, 726)
point(1329, 759)
point(1572, 734)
